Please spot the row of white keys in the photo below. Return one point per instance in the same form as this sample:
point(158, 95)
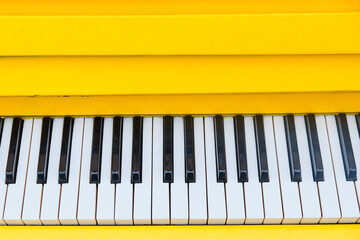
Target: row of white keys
point(51, 190)
point(215, 191)
point(346, 189)
point(197, 191)
point(355, 140)
point(271, 190)
point(87, 191)
point(33, 191)
point(327, 188)
point(106, 190)
point(15, 192)
point(179, 188)
point(4, 152)
point(142, 191)
point(254, 205)
point(289, 189)
point(309, 194)
point(70, 190)
point(124, 190)
point(233, 189)
point(160, 194)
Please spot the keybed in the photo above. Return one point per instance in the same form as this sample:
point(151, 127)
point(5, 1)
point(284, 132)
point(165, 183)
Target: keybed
point(180, 170)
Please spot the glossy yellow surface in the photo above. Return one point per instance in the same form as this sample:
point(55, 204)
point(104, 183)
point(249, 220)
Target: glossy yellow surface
point(35, 86)
point(268, 232)
point(296, 33)
point(150, 75)
point(167, 7)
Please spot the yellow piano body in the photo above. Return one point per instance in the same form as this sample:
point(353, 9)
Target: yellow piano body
point(199, 57)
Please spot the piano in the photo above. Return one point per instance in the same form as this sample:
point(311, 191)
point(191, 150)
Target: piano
point(200, 119)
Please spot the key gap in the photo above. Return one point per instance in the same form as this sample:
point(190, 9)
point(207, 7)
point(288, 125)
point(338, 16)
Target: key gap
point(41, 198)
point(226, 208)
point(188, 198)
point(277, 165)
point(318, 191)
point(263, 201)
point(170, 203)
point(96, 202)
point(58, 214)
point(332, 164)
point(27, 167)
point(81, 152)
point(151, 176)
point(301, 207)
point(206, 185)
point(243, 184)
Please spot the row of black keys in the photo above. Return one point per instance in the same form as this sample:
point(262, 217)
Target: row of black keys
point(190, 172)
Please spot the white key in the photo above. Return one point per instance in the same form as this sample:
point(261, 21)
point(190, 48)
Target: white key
point(124, 190)
point(160, 190)
point(142, 194)
point(327, 188)
point(346, 189)
point(87, 191)
point(70, 190)
point(271, 190)
point(234, 189)
point(51, 190)
point(179, 188)
point(289, 189)
point(197, 190)
point(355, 141)
point(33, 191)
point(15, 192)
point(106, 190)
point(252, 189)
point(308, 188)
point(4, 152)
point(215, 190)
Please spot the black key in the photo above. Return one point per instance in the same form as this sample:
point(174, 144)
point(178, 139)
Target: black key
point(14, 150)
point(44, 152)
point(189, 149)
point(95, 165)
point(116, 150)
point(346, 147)
point(65, 150)
point(292, 147)
point(314, 147)
point(1, 128)
point(261, 149)
point(136, 165)
point(241, 149)
point(168, 149)
point(220, 149)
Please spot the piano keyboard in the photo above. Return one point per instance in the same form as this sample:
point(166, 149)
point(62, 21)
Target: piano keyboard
point(180, 170)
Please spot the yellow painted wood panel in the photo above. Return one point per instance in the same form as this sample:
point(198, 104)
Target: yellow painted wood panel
point(151, 75)
point(221, 34)
point(161, 7)
point(275, 232)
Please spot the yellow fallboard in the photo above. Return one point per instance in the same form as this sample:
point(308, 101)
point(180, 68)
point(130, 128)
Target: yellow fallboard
point(153, 85)
point(268, 232)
